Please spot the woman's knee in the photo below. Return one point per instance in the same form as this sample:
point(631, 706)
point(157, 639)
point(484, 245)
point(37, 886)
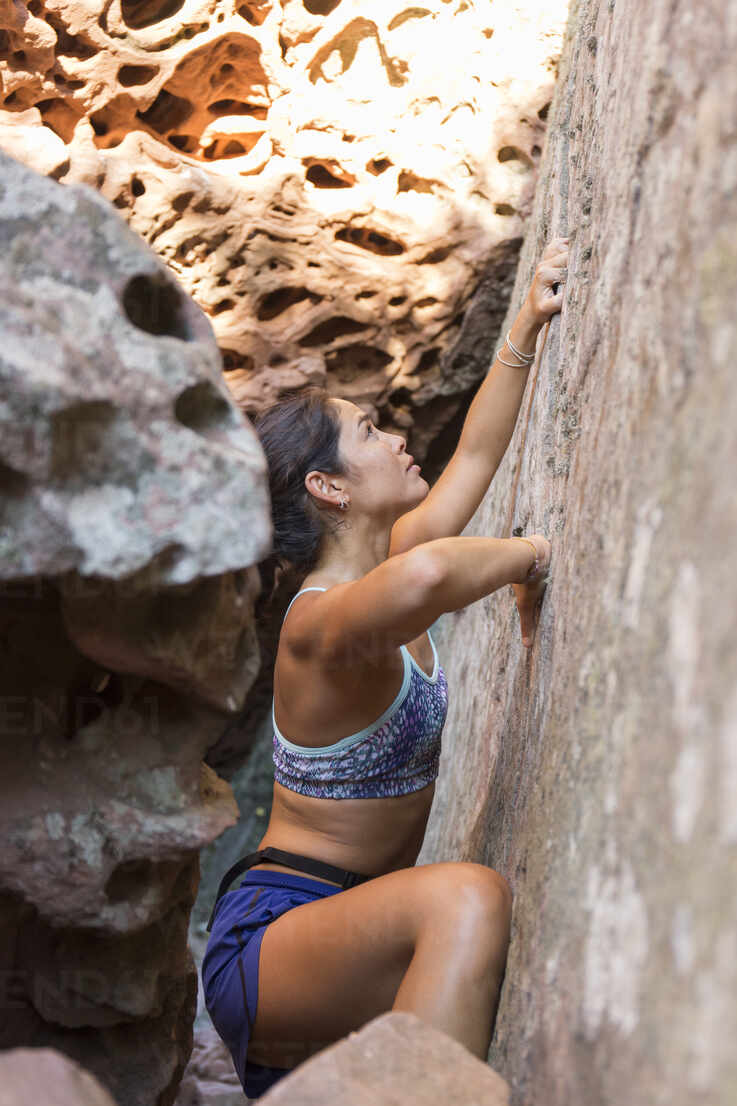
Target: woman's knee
point(477, 892)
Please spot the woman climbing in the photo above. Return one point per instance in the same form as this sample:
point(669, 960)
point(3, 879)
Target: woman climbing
point(297, 961)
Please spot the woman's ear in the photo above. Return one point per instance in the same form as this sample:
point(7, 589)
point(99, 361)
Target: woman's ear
point(320, 486)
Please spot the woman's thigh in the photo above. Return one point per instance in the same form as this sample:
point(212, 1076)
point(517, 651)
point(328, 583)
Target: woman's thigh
point(329, 966)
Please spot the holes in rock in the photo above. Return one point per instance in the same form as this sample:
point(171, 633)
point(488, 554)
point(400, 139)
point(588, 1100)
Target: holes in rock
point(232, 361)
point(187, 143)
point(365, 295)
point(338, 55)
point(536, 151)
point(280, 300)
point(543, 112)
point(436, 256)
point(408, 13)
point(67, 45)
point(277, 359)
point(356, 360)
point(401, 397)
point(428, 359)
point(322, 177)
point(130, 75)
point(138, 188)
point(254, 13)
point(182, 202)
point(332, 329)
point(166, 113)
point(409, 182)
point(426, 301)
point(11, 100)
point(224, 305)
point(203, 408)
point(237, 107)
point(378, 165)
point(19, 57)
point(487, 32)
point(99, 124)
point(510, 153)
point(59, 117)
point(320, 7)
point(155, 304)
point(128, 879)
point(144, 13)
point(397, 301)
point(227, 147)
point(12, 483)
point(62, 82)
point(370, 240)
point(504, 209)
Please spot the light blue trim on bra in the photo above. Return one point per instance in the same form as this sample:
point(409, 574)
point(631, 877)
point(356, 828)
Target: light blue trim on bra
point(409, 662)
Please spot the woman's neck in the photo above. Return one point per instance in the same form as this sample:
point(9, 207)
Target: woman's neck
point(348, 555)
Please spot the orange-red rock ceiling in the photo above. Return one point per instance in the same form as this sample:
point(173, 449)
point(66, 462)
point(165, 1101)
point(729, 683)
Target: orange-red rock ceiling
point(330, 180)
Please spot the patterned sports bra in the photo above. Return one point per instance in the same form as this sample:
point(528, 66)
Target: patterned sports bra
point(396, 754)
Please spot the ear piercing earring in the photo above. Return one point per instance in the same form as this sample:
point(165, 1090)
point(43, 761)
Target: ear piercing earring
point(342, 504)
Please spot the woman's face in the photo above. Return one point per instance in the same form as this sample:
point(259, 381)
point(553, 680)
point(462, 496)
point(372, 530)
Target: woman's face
point(386, 480)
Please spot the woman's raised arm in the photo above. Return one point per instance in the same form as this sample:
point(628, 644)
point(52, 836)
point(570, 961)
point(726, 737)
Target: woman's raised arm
point(487, 430)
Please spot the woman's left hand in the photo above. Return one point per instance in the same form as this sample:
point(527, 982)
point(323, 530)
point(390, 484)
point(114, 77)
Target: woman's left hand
point(542, 299)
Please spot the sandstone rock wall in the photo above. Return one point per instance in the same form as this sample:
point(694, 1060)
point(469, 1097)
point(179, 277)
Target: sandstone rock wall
point(133, 507)
point(599, 772)
point(330, 183)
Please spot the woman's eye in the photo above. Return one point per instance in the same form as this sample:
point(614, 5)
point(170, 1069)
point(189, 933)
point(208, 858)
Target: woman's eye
point(369, 428)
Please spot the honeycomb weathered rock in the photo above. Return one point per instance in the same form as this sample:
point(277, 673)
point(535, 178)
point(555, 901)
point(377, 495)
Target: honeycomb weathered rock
point(330, 183)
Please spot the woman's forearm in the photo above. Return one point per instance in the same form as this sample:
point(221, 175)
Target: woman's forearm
point(466, 569)
point(491, 418)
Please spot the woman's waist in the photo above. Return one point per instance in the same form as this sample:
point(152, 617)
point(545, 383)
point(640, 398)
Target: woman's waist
point(368, 836)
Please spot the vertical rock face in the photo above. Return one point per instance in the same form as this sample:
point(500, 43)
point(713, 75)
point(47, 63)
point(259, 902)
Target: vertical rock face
point(133, 507)
point(599, 772)
point(330, 183)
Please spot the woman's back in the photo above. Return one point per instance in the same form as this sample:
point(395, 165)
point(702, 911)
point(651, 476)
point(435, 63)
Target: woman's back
point(364, 803)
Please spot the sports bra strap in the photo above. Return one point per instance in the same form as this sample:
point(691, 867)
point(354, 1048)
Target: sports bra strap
point(299, 593)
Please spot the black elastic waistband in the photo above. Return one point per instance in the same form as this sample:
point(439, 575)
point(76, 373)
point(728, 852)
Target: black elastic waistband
point(341, 876)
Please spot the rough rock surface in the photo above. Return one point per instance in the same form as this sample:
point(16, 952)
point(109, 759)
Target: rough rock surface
point(132, 509)
point(599, 771)
point(330, 183)
point(396, 1058)
point(31, 1075)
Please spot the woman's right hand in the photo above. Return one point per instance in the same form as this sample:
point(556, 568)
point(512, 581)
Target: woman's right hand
point(529, 594)
point(545, 297)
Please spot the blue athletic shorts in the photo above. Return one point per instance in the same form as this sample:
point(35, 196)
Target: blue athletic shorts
point(230, 965)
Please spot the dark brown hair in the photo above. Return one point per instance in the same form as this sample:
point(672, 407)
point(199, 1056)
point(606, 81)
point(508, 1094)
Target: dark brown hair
point(298, 433)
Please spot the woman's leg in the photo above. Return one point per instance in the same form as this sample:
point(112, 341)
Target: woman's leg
point(431, 940)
